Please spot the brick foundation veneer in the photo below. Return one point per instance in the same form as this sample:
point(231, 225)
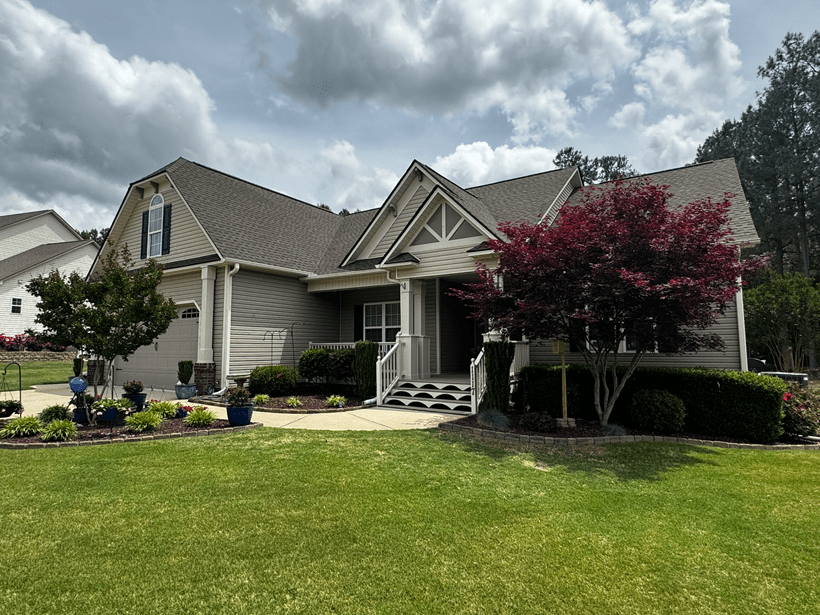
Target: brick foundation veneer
point(205, 377)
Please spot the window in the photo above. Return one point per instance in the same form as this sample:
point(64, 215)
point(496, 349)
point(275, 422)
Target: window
point(189, 313)
point(155, 226)
point(382, 321)
point(16, 306)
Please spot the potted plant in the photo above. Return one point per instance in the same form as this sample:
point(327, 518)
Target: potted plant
point(133, 391)
point(110, 409)
point(10, 406)
point(185, 369)
point(240, 407)
point(78, 369)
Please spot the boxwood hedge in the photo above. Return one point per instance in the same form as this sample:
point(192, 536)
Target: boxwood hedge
point(718, 403)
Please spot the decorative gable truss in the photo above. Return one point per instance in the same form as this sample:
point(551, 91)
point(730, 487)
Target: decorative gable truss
point(445, 225)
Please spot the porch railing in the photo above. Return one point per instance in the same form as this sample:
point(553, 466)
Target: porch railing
point(384, 347)
point(478, 381)
point(388, 371)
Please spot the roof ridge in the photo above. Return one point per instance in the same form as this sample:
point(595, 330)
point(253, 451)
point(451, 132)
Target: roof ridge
point(512, 179)
point(680, 168)
point(255, 185)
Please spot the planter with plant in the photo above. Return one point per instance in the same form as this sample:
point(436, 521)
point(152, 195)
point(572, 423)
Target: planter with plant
point(240, 407)
point(10, 406)
point(78, 369)
point(185, 369)
point(111, 410)
point(133, 391)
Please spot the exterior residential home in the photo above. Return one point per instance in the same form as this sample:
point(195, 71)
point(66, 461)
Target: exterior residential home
point(33, 244)
point(259, 276)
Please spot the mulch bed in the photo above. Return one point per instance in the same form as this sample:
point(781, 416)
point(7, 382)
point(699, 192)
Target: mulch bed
point(311, 403)
point(100, 432)
point(589, 429)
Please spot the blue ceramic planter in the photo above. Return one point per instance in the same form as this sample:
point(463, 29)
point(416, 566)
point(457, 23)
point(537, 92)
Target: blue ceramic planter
point(137, 398)
point(240, 415)
point(109, 414)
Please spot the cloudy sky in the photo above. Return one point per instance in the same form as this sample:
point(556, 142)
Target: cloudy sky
point(330, 100)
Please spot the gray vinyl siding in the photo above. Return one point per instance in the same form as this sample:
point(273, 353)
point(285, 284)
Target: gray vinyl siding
point(351, 298)
point(219, 319)
point(183, 288)
point(400, 222)
point(729, 358)
point(430, 323)
point(264, 302)
point(187, 238)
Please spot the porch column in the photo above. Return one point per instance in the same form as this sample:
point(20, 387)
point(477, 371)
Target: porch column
point(415, 344)
point(205, 345)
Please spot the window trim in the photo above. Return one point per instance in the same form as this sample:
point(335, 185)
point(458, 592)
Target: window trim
point(157, 205)
point(384, 327)
point(16, 302)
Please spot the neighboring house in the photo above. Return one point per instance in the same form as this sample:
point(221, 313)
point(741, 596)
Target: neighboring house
point(259, 276)
point(33, 244)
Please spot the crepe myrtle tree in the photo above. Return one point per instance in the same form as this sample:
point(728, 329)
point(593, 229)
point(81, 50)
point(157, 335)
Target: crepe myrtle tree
point(621, 268)
point(111, 314)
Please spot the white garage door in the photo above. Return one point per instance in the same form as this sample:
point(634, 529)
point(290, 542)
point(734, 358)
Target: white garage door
point(156, 365)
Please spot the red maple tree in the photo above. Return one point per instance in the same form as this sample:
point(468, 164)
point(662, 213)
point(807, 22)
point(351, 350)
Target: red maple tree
point(620, 270)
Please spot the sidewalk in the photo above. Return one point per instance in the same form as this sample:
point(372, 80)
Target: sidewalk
point(364, 419)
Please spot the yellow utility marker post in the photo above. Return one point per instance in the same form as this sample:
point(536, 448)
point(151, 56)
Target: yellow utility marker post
point(560, 347)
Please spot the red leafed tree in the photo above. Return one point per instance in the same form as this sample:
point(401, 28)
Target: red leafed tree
point(619, 269)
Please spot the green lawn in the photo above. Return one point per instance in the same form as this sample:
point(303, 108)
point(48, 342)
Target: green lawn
point(37, 372)
point(289, 521)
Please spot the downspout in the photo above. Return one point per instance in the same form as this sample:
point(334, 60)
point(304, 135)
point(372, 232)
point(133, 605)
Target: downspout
point(226, 326)
point(741, 329)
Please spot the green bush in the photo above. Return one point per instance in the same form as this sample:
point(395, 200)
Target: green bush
point(658, 411)
point(718, 403)
point(261, 399)
point(185, 369)
point(22, 427)
point(293, 402)
point(340, 365)
point(364, 366)
point(147, 420)
point(538, 421)
point(166, 409)
point(57, 412)
point(200, 417)
point(801, 411)
point(498, 357)
point(273, 380)
point(334, 400)
point(314, 365)
point(59, 430)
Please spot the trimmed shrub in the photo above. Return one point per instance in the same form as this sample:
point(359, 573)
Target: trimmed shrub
point(340, 364)
point(538, 421)
point(59, 430)
point(22, 427)
point(364, 366)
point(200, 416)
point(541, 391)
point(273, 380)
point(57, 412)
point(314, 365)
point(147, 420)
point(801, 411)
point(185, 369)
point(657, 410)
point(498, 357)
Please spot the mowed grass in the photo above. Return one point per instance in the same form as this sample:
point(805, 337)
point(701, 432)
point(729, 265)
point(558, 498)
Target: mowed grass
point(37, 372)
point(290, 521)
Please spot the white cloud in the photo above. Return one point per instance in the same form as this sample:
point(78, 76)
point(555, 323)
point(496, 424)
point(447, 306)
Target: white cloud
point(449, 55)
point(477, 163)
point(348, 182)
point(629, 116)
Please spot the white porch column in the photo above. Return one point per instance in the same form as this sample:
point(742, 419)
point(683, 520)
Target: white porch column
point(415, 345)
point(205, 345)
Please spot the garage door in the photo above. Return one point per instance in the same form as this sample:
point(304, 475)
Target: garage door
point(156, 365)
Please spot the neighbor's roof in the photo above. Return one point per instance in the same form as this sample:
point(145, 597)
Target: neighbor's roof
point(30, 259)
point(701, 181)
point(16, 218)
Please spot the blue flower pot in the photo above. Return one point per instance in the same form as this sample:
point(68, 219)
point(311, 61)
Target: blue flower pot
point(240, 415)
point(137, 398)
point(80, 417)
point(110, 413)
point(181, 414)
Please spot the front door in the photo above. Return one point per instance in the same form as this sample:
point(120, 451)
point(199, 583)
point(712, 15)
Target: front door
point(460, 334)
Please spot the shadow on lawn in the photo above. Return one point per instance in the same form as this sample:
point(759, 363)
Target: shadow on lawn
point(626, 461)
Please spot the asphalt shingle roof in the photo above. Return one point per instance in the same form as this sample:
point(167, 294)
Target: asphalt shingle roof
point(15, 218)
point(700, 181)
point(20, 263)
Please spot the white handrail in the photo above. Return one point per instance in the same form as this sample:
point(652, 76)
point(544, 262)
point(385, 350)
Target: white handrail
point(478, 381)
point(384, 347)
point(388, 372)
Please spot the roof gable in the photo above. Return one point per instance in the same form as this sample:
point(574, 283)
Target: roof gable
point(30, 259)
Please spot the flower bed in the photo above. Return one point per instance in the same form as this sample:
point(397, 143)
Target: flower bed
point(309, 404)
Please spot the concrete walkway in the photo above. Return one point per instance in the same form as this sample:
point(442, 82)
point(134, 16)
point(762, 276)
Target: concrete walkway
point(365, 419)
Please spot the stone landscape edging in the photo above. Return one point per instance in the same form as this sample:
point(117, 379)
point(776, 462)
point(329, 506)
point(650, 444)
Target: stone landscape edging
point(142, 438)
point(502, 435)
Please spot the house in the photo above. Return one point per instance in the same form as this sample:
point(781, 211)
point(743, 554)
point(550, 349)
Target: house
point(258, 276)
point(33, 244)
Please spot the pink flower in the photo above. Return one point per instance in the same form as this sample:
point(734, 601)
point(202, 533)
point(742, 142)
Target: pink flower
point(787, 396)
